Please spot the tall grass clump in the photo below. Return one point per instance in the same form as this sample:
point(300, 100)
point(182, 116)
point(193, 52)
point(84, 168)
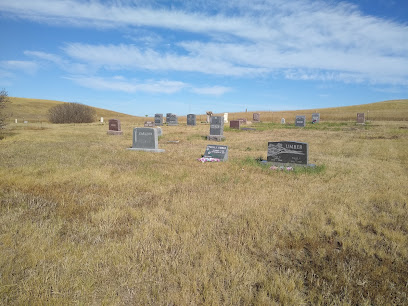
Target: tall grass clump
point(71, 113)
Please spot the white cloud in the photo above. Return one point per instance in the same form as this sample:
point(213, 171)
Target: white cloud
point(28, 67)
point(214, 90)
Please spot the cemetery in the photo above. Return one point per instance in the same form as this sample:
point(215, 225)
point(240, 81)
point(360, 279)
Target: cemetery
point(314, 214)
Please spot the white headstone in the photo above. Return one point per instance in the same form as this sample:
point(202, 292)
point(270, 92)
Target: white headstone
point(102, 119)
point(283, 121)
point(16, 121)
point(225, 117)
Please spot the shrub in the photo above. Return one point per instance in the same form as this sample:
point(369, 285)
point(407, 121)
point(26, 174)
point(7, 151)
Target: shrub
point(71, 113)
point(4, 100)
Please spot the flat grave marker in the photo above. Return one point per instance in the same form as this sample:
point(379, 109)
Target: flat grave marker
point(288, 152)
point(216, 151)
point(149, 124)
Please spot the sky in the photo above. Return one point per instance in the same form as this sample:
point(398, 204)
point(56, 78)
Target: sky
point(143, 57)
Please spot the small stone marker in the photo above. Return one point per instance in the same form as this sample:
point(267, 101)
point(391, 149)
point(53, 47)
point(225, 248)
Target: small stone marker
point(16, 121)
point(243, 120)
point(101, 119)
point(288, 152)
point(235, 124)
point(216, 128)
point(158, 119)
point(114, 127)
point(216, 151)
point(283, 121)
point(225, 117)
point(256, 117)
point(145, 139)
point(191, 119)
point(172, 120)
point(149, 124)
point(300, 121)
point(315, 117)
point(360, 118)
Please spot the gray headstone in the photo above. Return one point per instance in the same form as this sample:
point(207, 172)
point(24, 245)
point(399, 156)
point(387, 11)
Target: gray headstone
point(168, 117)
point(216, 128)
point(158, 119)
point(283, 121)
point(191, 119)
point(159, 131)
point(216, 151)
point(291, 152)
point(172, 120)
point(235, 124)
point(256, 117)
point(114, 127)
point(315, 117)
point(360, 118)
point(145, 139)
point(300, 121)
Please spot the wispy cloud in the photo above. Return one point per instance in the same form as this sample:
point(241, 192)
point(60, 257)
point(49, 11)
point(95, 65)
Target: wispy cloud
point(28, 67)
point(214, 90)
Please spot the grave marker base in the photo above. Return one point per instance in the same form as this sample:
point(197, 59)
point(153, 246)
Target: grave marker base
point(147, 150)
point(215, 137)
point(114, 133)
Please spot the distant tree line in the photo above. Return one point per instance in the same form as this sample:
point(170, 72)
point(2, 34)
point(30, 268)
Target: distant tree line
point(71, 113)
point(4, 101)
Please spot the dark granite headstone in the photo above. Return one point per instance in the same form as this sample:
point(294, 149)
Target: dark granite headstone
point(114, 127)
point(191, 119)
point(360, 118)
point(172, 120)
point(216, 151)
point(315, 117)
point(168, 117)
point(149, 124)
point(216, 128)
point(145, 139)
point(235, 124)
point(300, 121)
point(290, 152)
point(256, 117)
point(158, 119)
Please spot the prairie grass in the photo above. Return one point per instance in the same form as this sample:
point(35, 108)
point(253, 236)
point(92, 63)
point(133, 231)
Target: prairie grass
point(85, 221)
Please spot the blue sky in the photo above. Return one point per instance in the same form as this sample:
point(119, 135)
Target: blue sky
point(143, 57)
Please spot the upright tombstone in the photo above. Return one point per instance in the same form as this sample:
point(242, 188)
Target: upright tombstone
point(149, 124)
point(283, 121)
point(158, 119)
point(235, 124)
point(300, 121)
point(256, 117)
point(225, 117)
point(216, 128)
point(360, 118)
point(209, 114)
point(101, 119)
point(216, 151)
point(15, 121)
point(243, 120)
point(191, 119)
point(145, 139)
point(315, 117)
point(288, 152)
point(172, 120)
point(168, 117)
point(114, 127)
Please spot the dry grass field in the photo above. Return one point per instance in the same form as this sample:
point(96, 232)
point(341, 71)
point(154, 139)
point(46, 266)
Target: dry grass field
point(85, 221)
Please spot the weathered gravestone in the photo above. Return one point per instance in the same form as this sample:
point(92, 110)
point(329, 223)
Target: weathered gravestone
point(172, 120)
point(300, 121)
point(288, 152)
point(225, 117)
point(315, 117)
point(235, 124)
point(149, 124)
point(114, 127)
point(168, 117)
point(145, 139)
point(360, 118)
point(283, 121)
point(256, 117)
point(158, 119)
point(101, 119)
point(216, 151)
point(243, 120)
point(216, 128)
point(16, 121)
point(191, 119)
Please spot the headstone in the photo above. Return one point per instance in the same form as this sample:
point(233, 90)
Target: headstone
point(101, 119)
point(158, 119)
point(172, 120)
point(25, 121)
point(256, 117)
point(235, 124)
point(114, 127)
point(216, 128)
point(16, 121)
point(291, 152)
point(208, 118)
point(168, 117)
point(145, 139)
point(283, 121)
point(159, 131)
point(149, 124)
point(315, 117)
point(216, 151)
point(243, 120)
point(225, 117)
point(300, 121)
point(191, 119)
point(360, 118)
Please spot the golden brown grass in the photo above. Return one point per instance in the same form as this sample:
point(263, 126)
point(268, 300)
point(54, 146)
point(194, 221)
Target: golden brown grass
point(85, 221)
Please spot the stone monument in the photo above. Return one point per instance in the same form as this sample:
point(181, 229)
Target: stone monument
point(172, 120)
point(216, 151)
point(216, 128)
point(225, 117)
point(300, 121)
point(191, 119)
point(283, 121)
point(288, 152)
point(256, 117)
point(315, 117)
point(235, 124)
point(114, 127)
point(361, 118)
point(145, 139)
point(158, 119)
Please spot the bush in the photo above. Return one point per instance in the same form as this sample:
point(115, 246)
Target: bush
point(71, 113)
point(4, 100)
